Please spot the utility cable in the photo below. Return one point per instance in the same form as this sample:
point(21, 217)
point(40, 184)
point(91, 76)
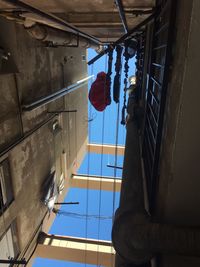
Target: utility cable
point(81, 216)
point(88, 173)
point(102, 157)
point(116, 154)
point(76, 146)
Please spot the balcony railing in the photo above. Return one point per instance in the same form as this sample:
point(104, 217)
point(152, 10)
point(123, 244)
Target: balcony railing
point(155, 98)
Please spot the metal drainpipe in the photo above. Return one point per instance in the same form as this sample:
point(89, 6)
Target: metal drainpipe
point(136, 238)
point(47, 99)
point(122, 14)
point(131, 199)
point(15, 143)
point(59, 37)
point(52, 18)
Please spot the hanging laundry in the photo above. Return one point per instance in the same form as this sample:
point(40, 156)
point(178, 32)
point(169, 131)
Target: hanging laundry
point(126, 68)
point(132, 45)
point(117, 78)
point(99, 94)
point(129, 52)
point(110, 60)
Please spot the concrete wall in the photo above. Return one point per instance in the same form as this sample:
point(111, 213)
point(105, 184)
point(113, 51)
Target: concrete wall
point(41, 71)
point(10, 125)
point(178, 199)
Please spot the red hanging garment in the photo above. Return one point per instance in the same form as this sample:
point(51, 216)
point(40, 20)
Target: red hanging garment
point(99, 94)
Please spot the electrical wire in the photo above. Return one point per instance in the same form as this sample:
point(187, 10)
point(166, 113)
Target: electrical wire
point(116, 159)
point(88, 172)
point(76, 146)
point(82, 216)
point(99, 217)
point(68, 132)
point(38, 230)
point(115, 164)
point(116, 155)
point(101, 164)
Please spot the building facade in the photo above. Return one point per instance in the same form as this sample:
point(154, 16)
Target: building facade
point(44, 134)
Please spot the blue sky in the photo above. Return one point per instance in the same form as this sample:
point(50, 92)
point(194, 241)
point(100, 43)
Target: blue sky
point(90, 200)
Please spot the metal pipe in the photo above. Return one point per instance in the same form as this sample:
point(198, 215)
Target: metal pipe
point(12, 261)
point(122, 14)
point(139, 12)
point(66, 203)
point(121, 39)
point(15, 143)
point(135, 236)
point(47, 99)
point(60, 37)
point(62, 111)
point(37, 231)
point(52, 18)
point(114, 167)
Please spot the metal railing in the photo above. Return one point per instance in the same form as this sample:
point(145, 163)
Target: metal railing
point(158, 77)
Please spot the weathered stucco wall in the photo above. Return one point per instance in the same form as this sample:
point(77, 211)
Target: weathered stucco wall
point(42, 71)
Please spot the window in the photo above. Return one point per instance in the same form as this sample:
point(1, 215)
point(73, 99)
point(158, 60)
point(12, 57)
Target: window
point(6, 192)
point(8, 244)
